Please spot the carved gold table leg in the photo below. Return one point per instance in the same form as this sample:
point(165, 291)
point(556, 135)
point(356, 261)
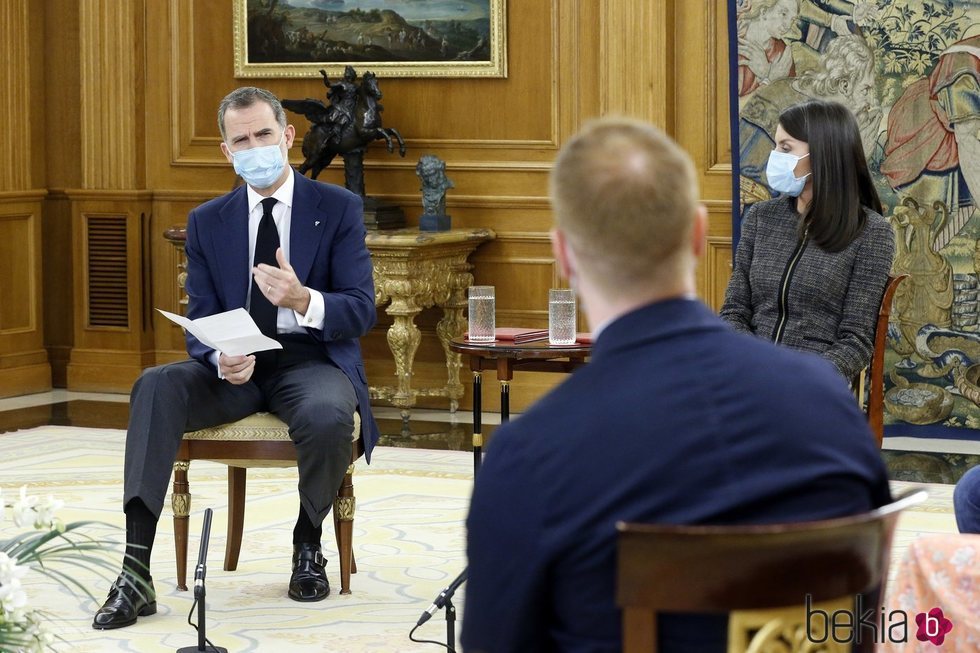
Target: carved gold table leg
point(451, 325)
point(403, 340)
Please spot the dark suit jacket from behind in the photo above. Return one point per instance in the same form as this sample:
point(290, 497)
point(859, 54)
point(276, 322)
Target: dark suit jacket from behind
point(327, 251)
point(677, 419)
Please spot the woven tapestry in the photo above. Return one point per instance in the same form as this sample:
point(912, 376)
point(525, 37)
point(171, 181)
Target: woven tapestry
point(910, 72)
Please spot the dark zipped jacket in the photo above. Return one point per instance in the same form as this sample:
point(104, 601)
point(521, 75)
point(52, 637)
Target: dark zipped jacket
point(793, 292)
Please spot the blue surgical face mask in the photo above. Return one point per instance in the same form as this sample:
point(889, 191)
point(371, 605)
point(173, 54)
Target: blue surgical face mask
point(260, 167)
point(779, 173)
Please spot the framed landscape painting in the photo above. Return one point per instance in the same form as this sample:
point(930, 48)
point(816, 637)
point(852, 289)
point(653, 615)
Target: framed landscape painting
point(393, 38)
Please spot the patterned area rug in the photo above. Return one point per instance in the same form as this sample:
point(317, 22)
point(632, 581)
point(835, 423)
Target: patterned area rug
point(408, 543)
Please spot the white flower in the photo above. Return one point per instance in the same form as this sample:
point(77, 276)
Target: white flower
point(22, 628)
point(12, 599)
point(45, 518)
point(23, 508)
point(39, 640)
point(10, 570)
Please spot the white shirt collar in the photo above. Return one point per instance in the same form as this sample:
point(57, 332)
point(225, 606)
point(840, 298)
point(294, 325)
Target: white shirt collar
point(284, 193)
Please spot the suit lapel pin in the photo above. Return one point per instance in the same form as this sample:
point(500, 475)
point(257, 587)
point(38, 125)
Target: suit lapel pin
point(316, 223)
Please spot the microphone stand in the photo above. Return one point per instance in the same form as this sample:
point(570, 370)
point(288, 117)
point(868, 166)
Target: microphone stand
point(450, 623)
point(445, 600)
point(200, 593)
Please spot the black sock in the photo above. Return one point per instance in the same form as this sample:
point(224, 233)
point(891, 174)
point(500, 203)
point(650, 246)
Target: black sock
point(304, 532)
point(141, 529)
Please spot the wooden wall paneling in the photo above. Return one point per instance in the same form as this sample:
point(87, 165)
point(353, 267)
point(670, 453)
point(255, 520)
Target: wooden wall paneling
point(716, 264)
point(24, 363)
point(111, 44)
point(522, 269)
point(34, 124)
point(112, 340)
point(492, 120)
point(15, 106)
point(701, 107)
point(578, 74)
point(112, 337)
point(62, 169)
point(636, 59)
point(62, 95)
point(58, 288)
point(18, 254)
point(24, 366)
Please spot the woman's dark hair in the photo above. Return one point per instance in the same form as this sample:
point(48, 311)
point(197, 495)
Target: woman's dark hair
point(842, 183)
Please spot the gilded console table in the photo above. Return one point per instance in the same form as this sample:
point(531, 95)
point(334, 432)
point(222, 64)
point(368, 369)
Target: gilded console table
point(413, 270)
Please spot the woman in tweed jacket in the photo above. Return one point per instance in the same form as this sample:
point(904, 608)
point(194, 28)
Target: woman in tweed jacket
point(812, 265)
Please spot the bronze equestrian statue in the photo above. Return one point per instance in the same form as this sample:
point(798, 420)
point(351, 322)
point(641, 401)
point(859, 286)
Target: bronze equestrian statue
point(346, 126)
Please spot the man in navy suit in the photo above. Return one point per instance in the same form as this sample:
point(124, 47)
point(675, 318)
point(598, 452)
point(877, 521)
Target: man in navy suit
point(676, 419)
point(292, 251)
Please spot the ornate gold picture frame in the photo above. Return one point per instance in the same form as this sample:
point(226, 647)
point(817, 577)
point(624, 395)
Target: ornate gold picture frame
point(423, 38)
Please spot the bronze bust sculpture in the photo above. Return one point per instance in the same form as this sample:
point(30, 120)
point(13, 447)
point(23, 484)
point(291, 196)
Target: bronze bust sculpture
point(432, 171)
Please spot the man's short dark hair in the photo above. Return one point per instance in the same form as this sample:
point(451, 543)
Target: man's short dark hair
point(246, 96)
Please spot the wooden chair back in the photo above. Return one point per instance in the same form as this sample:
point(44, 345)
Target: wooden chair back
point(876, 370)
point(697, 569)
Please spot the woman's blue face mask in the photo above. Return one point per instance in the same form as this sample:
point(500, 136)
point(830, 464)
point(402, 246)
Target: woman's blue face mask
point(779, 173)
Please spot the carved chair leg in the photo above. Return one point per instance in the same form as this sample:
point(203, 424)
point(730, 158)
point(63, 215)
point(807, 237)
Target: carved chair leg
point(236, 516)
point(180, 501)
point(343, 514)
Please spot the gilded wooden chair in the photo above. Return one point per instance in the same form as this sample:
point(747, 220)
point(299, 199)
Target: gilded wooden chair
point(259, 440)
point(761, 575)
point(874, 375)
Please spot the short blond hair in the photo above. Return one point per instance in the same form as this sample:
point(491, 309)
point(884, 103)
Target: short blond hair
point(625, 196)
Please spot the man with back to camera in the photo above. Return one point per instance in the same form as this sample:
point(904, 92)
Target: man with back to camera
point(676, 419)
point(292, 251)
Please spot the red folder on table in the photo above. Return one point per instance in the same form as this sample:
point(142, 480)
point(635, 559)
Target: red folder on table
point(519, 335)
point(583, 338)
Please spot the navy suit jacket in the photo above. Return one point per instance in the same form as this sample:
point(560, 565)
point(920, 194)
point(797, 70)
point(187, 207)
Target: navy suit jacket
point(677, 419)
point(327, 251)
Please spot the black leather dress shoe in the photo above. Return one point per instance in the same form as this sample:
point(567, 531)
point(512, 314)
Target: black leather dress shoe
point(126, 601)
point(309, 580)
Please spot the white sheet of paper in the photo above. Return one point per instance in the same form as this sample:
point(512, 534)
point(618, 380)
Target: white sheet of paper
point(232, 332)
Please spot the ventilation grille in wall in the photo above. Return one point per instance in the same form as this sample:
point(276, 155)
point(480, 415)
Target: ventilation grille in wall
point(108, 288)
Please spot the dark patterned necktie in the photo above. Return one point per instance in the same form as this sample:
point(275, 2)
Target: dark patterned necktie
point(262, 310)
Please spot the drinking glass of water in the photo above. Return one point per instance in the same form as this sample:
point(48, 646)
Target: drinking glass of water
point(482, 320)
point(561, 316)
